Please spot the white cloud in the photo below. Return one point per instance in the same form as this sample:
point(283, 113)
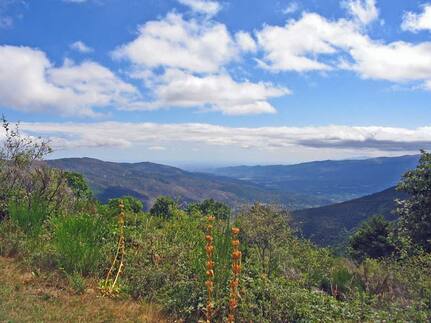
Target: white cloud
point(364, 11)
point(29, 82)
point(296, 45)
point(219, 92)
point(417, 21)
point(313, 43)
point(81, 47)
point(117, 134)
point(206, 7)
point(245, 42)
point(198, 46)
point(291, 8)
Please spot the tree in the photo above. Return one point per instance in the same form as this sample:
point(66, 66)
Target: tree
point(415, 212)
point(211, 207)
point(131, 204)
point(267, 229)
point(79, 185)
point(23, 176)
point(164, 207)
point(372, 240)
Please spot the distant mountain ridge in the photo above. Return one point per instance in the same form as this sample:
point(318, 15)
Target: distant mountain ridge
point(337, 180)
point(147, 181)
point(330, 225)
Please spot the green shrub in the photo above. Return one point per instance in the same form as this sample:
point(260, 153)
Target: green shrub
point(29, 215)
point(80, 244)
point(164, 207)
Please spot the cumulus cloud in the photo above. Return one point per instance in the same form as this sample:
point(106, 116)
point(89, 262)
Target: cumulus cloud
point(30, 82)
point(314, 43)
point(81, 47)
point(417, 21)
point(206, 7)
point(174, 42)
point(245, 42)
point(219, 92)
point(364, 11)
point(117, 134)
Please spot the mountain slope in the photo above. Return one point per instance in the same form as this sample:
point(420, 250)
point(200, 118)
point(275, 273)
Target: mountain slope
point(336, 180)
point(330, 225)
point(147, 181)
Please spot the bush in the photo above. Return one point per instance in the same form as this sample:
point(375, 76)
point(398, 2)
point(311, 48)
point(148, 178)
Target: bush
point(372, 240)
point(131, 204)
point(80, 243)
point(164, 207)
point(29, 214)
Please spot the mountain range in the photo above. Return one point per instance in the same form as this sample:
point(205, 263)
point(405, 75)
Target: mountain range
point(337, 181)
point(310, 190)
point(147, 181)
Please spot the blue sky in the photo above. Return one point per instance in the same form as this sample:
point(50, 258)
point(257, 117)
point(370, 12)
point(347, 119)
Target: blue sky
point(220, 82)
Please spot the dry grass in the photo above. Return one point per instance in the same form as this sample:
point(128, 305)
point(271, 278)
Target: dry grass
point(27, 298)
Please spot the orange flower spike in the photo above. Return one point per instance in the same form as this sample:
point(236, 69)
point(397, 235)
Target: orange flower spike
point(234, 283)
point(233, 304)
point(208, 238)
point(236, 268)
point(235, 230)
point(210, 265)
point(236, 255)
point(235, 243)
point(209, 249)
point(211, 218)
point(210, 273)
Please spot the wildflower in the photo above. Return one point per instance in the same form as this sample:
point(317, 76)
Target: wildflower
point(210, 264)
point(208, 238)
point(235, 243)
point(235, 230)
point(236, 255)
point(233, 304)
point(236, 269)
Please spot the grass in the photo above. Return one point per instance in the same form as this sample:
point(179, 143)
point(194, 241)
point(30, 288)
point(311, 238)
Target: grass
point(25, 297)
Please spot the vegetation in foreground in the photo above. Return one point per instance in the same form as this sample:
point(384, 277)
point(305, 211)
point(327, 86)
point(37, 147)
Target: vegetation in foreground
point(52, 226)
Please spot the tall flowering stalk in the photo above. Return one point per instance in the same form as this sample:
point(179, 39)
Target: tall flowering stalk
point(236, 270)
point(209, 248)
point(108, 287)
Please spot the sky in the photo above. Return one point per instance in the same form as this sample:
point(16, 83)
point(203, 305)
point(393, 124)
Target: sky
point(219, 82)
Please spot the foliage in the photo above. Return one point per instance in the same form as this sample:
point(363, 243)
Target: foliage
point(28, 215)
point(79, 185)
point(131, 204)
point(414, 212)
point(265, 228)
point(164, 207)
point(372, 240)
point(210, 207)
point(79, 243)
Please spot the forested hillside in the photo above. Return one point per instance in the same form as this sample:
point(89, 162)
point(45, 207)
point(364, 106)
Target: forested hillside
point(147, 181)
point(339, 180)
point(333, 224)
